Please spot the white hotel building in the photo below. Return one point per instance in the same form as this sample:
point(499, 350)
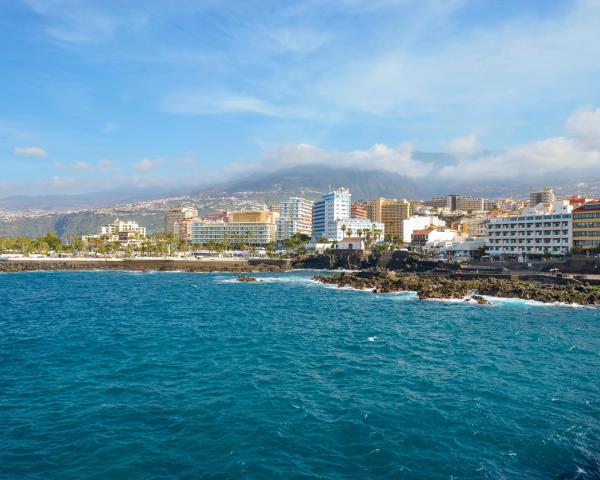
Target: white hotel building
point(236, 233)
point(332, 213)
point(535, 233)
point(295, 217)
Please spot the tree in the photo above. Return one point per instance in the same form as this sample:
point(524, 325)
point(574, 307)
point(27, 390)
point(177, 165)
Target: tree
point(52, 240)
point(270, 248)
point(343, 228)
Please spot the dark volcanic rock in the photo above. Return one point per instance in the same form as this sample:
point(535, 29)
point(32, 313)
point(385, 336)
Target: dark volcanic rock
point(442, 287)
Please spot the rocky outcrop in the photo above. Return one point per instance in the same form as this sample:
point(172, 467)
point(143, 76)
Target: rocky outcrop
point(244, 278)
point(442, 287)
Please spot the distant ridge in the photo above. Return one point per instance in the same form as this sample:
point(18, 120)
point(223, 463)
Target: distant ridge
point(312, 181)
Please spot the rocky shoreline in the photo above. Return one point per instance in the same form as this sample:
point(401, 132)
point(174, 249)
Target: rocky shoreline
point(441, 287)
point(145, 266)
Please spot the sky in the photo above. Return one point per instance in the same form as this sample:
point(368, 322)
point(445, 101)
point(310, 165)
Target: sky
point(148, 93)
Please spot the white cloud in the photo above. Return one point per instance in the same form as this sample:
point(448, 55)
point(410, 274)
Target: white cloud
point(515, 63)
point(148, 164)
point(463, 146)
point(585, 125)
point(80, 165)
point(30, 152)
point(379, 156)
point(533, 159)
point(62, 182)
point(75, 21)
point(301, 41)
point(193, 102)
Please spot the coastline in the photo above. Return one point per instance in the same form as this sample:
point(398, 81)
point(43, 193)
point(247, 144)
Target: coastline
point(163, 265)
point(439, 287)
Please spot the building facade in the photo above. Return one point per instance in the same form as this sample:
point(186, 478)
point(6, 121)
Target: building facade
point(457, 203)
point(358, 211)
point(535, 233)
point(391, 213)
point(586, 226)
point(332, 207)
point(177, 220)
point(362, 227)
point(120, 226)
point(295, 216)
point(235, 233)
point(546, 195)
point(419, 222)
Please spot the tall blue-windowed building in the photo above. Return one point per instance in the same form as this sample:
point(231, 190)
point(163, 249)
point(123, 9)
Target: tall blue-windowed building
point(332, 207)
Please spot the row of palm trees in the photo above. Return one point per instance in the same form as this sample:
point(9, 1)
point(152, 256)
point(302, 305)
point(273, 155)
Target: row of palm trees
point(370, 235)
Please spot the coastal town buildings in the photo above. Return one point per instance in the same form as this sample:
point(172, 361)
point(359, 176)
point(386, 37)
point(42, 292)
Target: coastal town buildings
point(475, 226)
point(328, 210)
point(539, 231)
point(546, 195)
point(125, 232)
point(419, 222)
point(456, 203)
point(362, 227)
point(433, 237)
point(225, 216)
point(358, 211)
point(295, 216)
point(259, 233)
point(177, 221)
point(390, 212)
point(586, 226)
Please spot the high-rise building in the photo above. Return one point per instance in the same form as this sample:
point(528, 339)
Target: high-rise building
point(176, 220)
point(332, 207)
point(295, 217)
point(391, 213)
point(546, 195)
point(586, 226)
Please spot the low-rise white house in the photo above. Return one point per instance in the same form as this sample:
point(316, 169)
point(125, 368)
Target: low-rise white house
point(419, 222)
point(466, 247)
point(352, 243)
point(433, 237)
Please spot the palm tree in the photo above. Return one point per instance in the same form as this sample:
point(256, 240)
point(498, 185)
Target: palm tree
point(343, 228)
point(359, 232)
point(349, 231)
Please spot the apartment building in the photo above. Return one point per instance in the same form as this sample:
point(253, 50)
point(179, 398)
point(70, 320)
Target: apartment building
point(390, 212)
point(586, 226)
point(546, 195)
point(358, 211)
point(332, 207)
point(419, 222)
point(295, 216)
point(257, 234)
point(177, 221)
point(536, 232)
point(454, 203)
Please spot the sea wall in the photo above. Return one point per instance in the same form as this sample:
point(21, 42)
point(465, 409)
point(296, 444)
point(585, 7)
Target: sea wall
point(255, 265)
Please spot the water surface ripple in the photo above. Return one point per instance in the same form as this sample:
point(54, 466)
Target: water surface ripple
point(175, 375)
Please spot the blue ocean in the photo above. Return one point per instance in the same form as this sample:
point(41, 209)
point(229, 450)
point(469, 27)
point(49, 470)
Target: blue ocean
point(123, 375)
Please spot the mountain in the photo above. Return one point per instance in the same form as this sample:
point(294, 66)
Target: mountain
point(66, 202)
point(312, 181)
